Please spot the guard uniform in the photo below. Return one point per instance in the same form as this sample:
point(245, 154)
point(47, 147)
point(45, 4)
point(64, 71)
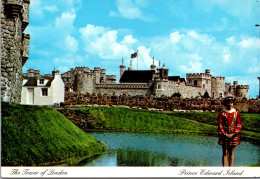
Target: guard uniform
point(229, 122)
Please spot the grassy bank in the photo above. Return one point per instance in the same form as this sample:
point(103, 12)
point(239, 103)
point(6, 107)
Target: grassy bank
point(148, 121)
point(251, 122)
point(41, 136)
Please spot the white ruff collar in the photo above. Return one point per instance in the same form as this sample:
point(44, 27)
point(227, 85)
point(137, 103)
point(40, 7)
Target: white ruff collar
point(230, 111)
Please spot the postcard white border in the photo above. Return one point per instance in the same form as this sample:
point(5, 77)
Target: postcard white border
point(114, 172)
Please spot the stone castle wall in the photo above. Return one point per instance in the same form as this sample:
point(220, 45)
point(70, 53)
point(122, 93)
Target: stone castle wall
point(14, 47)
point(120, 89)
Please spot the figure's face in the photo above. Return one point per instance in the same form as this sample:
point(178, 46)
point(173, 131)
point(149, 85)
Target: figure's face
point(230, 105)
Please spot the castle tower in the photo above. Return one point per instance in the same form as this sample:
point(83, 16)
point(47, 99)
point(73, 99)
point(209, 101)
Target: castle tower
point(122, 68)
point(14, 47)
point(84, 82)
point(242, 91)
point(153, 66)
point(218, 87)
point(235, 83)
point(97, 75)
point(163, 72)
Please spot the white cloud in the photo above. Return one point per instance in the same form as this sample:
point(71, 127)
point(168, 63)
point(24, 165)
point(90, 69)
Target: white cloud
point(105, 43)
point(128, 39)
point(226, 56)
point(51, 8)
point(66, 20)
point(231, 40)
point(249, 43)
point(175, 37)
point(131, 9)
point(36, 11)
point(194, 65)
point(71, 44)
point(66, 62)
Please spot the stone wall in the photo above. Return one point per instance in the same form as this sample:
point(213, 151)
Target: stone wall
point(14, 47)
point(120, 89)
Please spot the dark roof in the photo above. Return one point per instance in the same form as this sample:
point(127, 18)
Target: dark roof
point(176, 78)
point(32, 81)
point(137, 76)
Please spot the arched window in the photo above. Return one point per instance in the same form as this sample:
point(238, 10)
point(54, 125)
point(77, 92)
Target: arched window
point(195, 82)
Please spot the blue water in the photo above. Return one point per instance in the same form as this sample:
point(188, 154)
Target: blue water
point(151, 149)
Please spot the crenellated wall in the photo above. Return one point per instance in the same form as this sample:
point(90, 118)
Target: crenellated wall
point(14, 47)
point(96, 81)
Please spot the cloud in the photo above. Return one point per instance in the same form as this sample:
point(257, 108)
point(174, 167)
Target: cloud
point(194, 65)
point(71, 44)
point(226, 55)
point(51, 8)
point(130, 9)
point(66, 20)
point(128, 39)
point(252, 43)
point(66, 62)
point(105, 42)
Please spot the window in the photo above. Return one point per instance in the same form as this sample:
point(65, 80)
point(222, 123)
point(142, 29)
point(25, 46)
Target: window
point(41, 81)
point(44, 91)
point(195, 82)
point(159, 86)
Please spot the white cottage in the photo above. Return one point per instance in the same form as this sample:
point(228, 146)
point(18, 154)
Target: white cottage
point(43, 90)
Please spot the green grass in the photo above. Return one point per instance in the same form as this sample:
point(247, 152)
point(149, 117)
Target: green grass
point(147, 121)
point(251, 122)
point(42, 136)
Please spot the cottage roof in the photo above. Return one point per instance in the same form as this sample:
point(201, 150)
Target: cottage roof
point(32, 81)
point(137, 76)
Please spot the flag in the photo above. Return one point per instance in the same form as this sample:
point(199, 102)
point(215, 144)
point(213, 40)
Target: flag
point(134, 55)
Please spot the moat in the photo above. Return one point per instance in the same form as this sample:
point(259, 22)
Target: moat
point(151, 149)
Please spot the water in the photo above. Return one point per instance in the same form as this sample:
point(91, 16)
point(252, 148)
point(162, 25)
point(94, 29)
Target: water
point(151, 149)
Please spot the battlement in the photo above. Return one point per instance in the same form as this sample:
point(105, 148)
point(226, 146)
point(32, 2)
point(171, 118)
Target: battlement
point(242, 86)
point(81, 69)
point(103, 71)
point(218, 78)
point(97, 69)
point(111, 76)
point(198, 75)
point(85, 74)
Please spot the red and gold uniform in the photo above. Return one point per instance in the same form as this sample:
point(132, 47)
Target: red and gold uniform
point(229, 122)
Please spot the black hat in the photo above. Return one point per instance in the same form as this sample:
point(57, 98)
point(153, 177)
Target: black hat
point(229, 98)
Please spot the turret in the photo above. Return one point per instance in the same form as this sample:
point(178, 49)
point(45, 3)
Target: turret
point(122, 68)
point(153, 66)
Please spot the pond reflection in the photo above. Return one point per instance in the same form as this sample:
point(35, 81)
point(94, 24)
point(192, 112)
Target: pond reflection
point(150, 149)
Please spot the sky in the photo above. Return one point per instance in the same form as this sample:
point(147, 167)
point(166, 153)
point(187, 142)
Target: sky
point(188, 36)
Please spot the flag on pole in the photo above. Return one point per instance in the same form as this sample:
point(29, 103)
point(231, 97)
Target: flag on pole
point(134, 55)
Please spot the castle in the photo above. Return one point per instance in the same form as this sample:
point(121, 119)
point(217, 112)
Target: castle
point(14, 47)
point(151, 82)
